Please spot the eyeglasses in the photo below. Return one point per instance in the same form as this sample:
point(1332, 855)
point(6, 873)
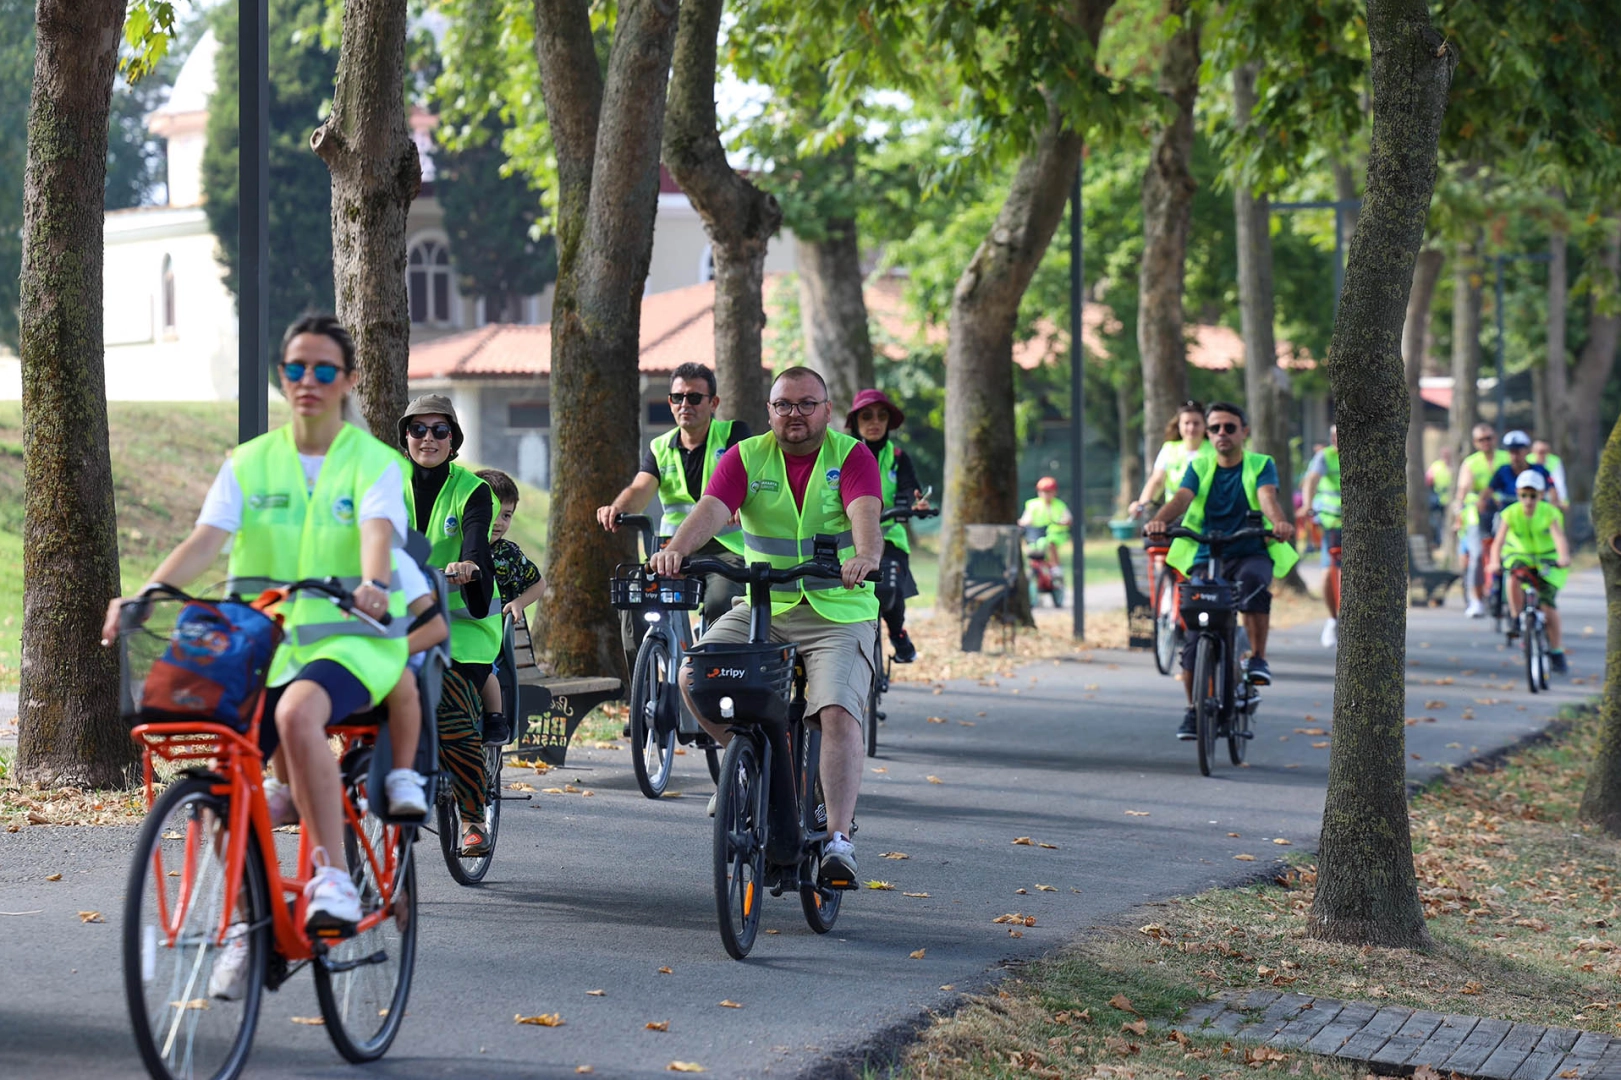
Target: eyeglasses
point(420, 430)
point(1530, 494)
point(325, 374)
point(693, 398)
point(1485, 438)
point(1224, 429)
point(803, 408)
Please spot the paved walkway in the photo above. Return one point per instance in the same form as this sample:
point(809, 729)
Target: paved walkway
point(1392, 1038)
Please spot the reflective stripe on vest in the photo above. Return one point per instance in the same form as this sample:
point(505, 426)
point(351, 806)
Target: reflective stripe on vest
point(888, 478)
point(674, 497)
point(474, 638)
point(777, 531)
point(1184, 551)
point(289, 532)
point(1326, 499)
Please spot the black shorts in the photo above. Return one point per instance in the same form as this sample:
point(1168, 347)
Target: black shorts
point(1252, 576)
point(347, 694)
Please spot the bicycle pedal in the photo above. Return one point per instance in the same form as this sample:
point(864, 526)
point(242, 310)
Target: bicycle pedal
point(882, 716)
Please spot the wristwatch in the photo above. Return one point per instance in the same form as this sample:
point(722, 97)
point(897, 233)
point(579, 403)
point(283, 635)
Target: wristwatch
point(374, 583)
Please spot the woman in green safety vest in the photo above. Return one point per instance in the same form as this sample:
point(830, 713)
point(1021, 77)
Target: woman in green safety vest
point(454, 509)
point(1184, 437)
point(874, 418)
point(1530, 533)
point(317, 498)
point(1321, 493)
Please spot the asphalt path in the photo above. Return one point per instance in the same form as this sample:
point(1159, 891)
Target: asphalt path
point(601, 892)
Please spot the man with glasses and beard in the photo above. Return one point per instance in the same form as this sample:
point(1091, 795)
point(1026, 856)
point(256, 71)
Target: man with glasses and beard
point(676, 467)
point(1217, 492)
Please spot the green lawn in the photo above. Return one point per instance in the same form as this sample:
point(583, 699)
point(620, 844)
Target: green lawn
point(1102, 566)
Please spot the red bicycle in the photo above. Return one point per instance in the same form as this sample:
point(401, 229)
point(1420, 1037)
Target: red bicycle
point(207, 876)
point(1166, 604)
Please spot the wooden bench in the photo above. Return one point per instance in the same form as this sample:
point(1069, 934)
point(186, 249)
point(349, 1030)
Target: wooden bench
point(990, 574)
point(1423, 575)
point(1139, 596)
point(549, 708)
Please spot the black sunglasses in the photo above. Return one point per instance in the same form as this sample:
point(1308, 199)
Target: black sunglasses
point(1225, 429)
point(693, 398)
point(325, 374)
point(420, 430)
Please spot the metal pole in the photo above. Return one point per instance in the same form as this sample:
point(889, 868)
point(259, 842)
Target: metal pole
point(253, 219)
point(1502, 375)
point(1077, 402)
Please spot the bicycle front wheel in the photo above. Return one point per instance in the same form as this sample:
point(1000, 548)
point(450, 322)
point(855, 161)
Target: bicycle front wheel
point(739, 840)
point(1208, 694)
point(821, 906)
point(470, 869)
point(193, 1000)
point(1167, 634)
point(652, 753)
point(362, 983)
point(1544, 660)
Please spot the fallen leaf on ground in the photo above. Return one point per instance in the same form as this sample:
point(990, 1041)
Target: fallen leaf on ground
point(596, 993)
point(658, 1025)
point(730, 1004)
point(949, 986)
point(937, 719)
point(1122, 1002)
point(1049, 847)
point(970, 723)
point(1472, 987)
point(1021, 892)
point(1319, 746)
point(1136, 1027)
point(542, 1020)
point(893, 855)
point(312, 1021)
point(1016, 917)
point(934, 779)
point(684, 1066)
point(671, 795)
point(53, 877)
point(584, 1069)
point(880, 771)
point(916, 895)
point(1046, 888)
point(1245, 858)
point(1428, 1072)
point(881, 886)
point(917, 954)
point(666, 971)
point(90, 916)
point(1310, 731)
point(1024, 840)
point(520, 786)
point(1137, 813)
point(1281, 842)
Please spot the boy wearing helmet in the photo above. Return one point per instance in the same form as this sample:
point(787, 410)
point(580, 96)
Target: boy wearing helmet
point(1047, 511)
point(1531, 533)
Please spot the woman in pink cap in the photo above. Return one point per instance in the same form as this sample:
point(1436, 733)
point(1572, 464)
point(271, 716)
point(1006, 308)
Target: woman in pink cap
point(873, 417)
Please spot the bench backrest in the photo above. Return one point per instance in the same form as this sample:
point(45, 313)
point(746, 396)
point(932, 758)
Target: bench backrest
point(1418, 552)
point(992, 553)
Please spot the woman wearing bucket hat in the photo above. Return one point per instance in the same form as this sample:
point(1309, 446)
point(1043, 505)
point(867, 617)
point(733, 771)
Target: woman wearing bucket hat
point(873, 418)
point(454, 509)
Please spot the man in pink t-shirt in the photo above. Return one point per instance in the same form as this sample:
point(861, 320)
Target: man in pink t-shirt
point(840, 657)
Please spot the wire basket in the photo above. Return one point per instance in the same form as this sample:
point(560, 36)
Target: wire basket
point(630, 589)
point(754, 683)
point(194, 660)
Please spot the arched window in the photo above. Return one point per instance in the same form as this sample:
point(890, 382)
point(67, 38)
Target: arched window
point(168, 296)
point(428, 281)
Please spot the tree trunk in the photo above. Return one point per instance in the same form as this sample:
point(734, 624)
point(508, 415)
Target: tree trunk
point(1414, 337)
point(833, 312)
point(1131, 458)
point(1556, 385)
point(739, 218)
point(1601, 800)
point(606, 132)
point(1589, 377)
point(981, 481)
point(1366, 889)
point(376, 174)
point(1465, 409)
point(69, 730)
point(1168, 189)
point(1261, 391)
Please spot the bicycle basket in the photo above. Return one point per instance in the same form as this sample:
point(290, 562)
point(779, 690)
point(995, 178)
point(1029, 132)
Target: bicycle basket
point(208, 664)
point(1214, 599)
point(630, 590)
point(757, 678)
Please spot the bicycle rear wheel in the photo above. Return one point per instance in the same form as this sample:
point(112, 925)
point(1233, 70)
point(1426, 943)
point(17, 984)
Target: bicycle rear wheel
point(1546, 661)
point(712, 753)
point(173, 906)
point(739, 846)
point(1167, 633)
point(1208, 694)
point(363, 982)
point(872, 716)
point(470, 869)
point(652, 753)
point(821, 906)
point(1238, 725)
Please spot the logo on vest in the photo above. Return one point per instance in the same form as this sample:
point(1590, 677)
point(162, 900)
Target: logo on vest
point(763, 485)
point(452, 523)
point(343, 510)
point(277, 501)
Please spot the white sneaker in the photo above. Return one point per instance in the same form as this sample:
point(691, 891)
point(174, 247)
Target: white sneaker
point(229, 979)
point(1475, 610)
point(713, 799)
point(838, 862)
point(279, 797)
point(1331, 634)
point(334, 904)
point(406, 798)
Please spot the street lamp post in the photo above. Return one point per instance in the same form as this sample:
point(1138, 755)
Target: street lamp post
point(253, 219)
point(1077, 402)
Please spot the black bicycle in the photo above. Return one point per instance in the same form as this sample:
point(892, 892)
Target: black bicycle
point(659, 718)
point(1532, 625)
point(770, 813)
point(889, 594)
point(1224, 702)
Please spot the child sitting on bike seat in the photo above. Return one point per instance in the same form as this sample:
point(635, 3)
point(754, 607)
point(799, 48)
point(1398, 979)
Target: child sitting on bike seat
point(873, 418)
point(517, 578)
point(1530, 533)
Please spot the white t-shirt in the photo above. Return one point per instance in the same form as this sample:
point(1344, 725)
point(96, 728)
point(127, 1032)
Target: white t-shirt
point(222, 508)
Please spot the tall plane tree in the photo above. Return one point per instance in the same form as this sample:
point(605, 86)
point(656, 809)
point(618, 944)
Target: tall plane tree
point(69, 728)
point(1366, 888)
point(376, 174)
point(1601, 799)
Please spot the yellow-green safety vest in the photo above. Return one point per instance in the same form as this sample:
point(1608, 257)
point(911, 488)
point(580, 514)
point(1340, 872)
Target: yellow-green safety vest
point(474, 638)
point(289, 532)
point(1480, 478)
point(1184, 551)
point(673, 494)
point(894, 532)
point(1441, 480)
point(1325, 501)
point(1532, 540)
point(1048, 517)
point(777, 531)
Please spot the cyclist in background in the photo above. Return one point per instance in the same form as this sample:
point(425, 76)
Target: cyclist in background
point(874, 418)
point(1542, 454)
point(1216, 494)
point(1530, 533)
point(1322, 495)
point(1184, 437)
point(313, 499)
point(1501, 491)
point(1047, 511)
point(1474, 477)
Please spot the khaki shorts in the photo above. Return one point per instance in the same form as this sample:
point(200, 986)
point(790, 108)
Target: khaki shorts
point(838, 657)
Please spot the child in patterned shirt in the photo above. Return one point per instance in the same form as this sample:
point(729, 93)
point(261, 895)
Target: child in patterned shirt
point(517, 579)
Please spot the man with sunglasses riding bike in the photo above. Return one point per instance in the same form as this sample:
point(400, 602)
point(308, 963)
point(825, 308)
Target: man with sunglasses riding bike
point(1216, 494)
point(795, 483)
point(676, 467)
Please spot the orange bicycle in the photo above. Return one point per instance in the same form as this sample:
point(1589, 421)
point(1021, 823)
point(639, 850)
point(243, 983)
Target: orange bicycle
point(1167, 610)
point(207, 878)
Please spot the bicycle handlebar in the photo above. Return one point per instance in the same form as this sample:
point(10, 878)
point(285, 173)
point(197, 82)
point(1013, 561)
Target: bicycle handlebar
point(742, 574)
point(133, 613)
point(1219, 540)
point(906, 513)
point(643, 524)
